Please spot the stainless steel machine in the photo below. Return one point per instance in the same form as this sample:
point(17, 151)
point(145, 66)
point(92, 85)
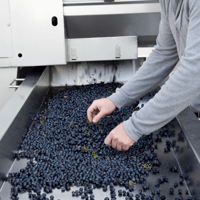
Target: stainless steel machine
point(56, 43)
point(72, 34)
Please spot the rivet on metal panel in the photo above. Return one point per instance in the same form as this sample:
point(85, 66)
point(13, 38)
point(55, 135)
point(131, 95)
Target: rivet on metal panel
point(118, 51)
point(73, 53)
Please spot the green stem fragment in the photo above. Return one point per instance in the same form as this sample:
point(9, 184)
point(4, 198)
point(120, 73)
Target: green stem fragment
point(43, 135)
point(85, 148)
point(88, 133)
point(132, 183)
point(98, 126)
point(94, 155)
point(88, 122)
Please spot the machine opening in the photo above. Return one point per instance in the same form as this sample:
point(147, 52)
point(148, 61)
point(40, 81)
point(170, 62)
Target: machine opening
point(54, 21)
point(19, 55)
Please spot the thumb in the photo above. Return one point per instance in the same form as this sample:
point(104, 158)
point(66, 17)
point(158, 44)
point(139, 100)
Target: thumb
point(98, 116)
point(108, 140)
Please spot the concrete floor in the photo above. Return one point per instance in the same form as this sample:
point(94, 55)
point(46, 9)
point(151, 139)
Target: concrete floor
point(6, 77)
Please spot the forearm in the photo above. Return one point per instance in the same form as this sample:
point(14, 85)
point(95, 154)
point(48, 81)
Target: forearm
point(157, 67)
point(182, 88)
point(145, 80)
point(178, 92)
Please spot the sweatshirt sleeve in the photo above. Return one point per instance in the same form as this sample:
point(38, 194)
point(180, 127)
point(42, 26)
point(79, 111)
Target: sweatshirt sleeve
point(181, 89)
point(156, 68)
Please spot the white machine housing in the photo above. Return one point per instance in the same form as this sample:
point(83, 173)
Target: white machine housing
point(41, 33)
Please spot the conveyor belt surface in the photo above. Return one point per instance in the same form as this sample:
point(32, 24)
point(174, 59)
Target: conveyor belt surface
point(173, 158)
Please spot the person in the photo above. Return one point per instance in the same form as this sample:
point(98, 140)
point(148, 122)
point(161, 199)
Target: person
point(178, 39)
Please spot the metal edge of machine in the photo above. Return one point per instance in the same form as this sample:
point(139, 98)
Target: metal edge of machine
point(187, 150)
point(16, 116)
point(82, 2)
point(111, 9)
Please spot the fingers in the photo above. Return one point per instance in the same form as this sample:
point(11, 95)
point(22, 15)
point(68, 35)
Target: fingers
point(119, 147)
point(99, 109)
point(91, 112)
point(114, 144)
point(108, 140)
point(95, 113)
point(98, 116)
point(125, 147)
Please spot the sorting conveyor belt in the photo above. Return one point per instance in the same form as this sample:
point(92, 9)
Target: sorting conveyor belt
point(16, 120)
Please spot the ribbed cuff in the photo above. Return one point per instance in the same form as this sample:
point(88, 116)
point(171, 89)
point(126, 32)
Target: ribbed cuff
point(118, 99)
point(129, 129)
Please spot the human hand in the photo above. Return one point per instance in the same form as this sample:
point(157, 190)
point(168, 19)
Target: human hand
point(119, 139)
point(99, 109)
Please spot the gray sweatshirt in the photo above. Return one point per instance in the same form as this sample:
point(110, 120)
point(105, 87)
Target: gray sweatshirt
point(179, 38)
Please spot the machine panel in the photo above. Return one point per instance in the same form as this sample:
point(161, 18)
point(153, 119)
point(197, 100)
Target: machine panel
point(37, 32)
point(107, 48)
point(5, 34)
point(111, 9)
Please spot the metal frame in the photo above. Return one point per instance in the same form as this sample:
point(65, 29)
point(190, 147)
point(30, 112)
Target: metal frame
point(114, 9)
point(15, 80)
point(65, 2)
point(16, 116)
point(188, 151)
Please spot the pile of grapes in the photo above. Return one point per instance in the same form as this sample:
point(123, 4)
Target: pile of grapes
point(64, 149)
